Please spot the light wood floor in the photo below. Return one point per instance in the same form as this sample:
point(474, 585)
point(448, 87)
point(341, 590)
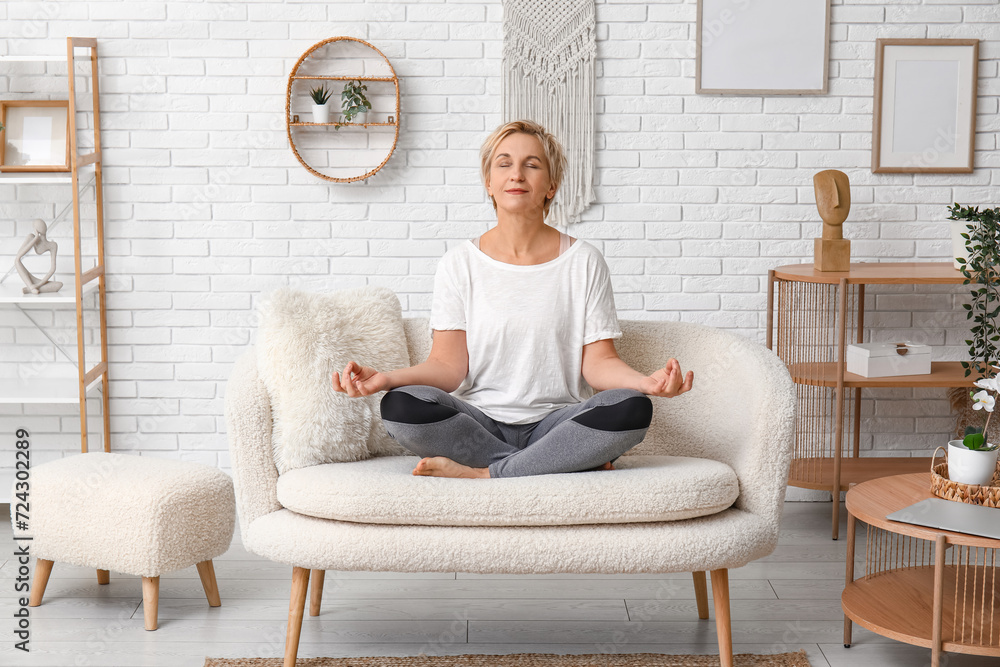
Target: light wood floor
point(785, 602)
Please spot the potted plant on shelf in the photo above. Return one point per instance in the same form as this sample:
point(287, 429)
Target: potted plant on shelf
point(980, 268)
point(353, 100)
point(973, 459)
point(321, 112)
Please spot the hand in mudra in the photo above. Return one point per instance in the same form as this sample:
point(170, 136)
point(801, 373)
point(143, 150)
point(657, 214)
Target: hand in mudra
point(357, 380)
point(668, 382)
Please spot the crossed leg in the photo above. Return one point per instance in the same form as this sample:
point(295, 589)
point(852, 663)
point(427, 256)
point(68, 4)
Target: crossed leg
point(454, 438)
point(457, 439)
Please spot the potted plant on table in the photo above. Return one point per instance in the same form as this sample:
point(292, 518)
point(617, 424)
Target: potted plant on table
point(973, 459)
point(320, 112)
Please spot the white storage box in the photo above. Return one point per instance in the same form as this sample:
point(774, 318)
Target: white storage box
point(875, 360)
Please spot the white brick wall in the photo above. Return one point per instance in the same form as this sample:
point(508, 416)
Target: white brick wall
point(699, 196)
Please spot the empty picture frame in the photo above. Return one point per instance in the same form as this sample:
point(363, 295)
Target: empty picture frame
point(35, 135)
point(762, 47)
point(925, 105)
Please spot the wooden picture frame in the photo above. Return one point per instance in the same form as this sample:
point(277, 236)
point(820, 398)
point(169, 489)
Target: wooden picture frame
point(772, 47)
point(924, 114)
point(39, 125)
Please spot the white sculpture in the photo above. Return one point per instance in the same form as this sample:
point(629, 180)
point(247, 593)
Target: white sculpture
point(41, 245)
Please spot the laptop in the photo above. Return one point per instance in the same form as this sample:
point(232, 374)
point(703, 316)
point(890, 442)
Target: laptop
point(951, 515)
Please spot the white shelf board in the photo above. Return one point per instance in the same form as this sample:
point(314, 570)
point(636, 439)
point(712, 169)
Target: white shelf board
point(42, 58)
point(43, 390)
point(34, 177)
point(10, 292)
point(36, 59)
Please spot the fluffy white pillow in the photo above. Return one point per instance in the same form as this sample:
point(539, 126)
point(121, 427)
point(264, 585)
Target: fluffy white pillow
point(302, 339)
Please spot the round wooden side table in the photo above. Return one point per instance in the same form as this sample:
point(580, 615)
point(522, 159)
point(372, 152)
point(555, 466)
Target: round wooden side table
point(923, 586)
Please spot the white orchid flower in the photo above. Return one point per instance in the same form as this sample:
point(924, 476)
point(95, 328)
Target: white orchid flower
point(983, 401)
point(989, 384)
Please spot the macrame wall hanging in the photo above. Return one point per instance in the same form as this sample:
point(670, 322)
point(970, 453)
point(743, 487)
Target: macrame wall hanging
point(548, 77)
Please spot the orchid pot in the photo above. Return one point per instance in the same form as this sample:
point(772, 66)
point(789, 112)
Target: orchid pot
point(971, 466)
point(973, 459)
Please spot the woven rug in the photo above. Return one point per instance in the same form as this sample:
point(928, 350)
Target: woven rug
point(530, 660)
point(549, 50)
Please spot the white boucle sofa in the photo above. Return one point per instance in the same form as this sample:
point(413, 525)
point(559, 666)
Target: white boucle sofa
point(703, 491)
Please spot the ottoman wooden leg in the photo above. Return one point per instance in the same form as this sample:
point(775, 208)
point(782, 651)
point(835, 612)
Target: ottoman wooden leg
point(150, 600)
point(701, 594)
point(723, 627)
point(43, 568)
point(103, 577)
point(316, 591)
point(207, 573)
point(296, 605)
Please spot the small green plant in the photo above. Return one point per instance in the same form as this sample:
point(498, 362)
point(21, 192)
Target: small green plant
point(980, 270)
point(320, 94)
point(353, 100)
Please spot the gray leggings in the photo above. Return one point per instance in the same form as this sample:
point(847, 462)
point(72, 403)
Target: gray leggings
point(431, 422)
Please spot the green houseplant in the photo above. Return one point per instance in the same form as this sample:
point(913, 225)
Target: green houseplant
point(980, 270)
point(320, 95)
point(972, 459)
point(353, 100)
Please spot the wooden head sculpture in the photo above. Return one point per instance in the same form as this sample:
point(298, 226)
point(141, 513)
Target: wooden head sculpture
point(833, 199)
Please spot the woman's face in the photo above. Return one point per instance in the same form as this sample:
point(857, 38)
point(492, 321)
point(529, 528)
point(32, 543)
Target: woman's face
point(519, 175)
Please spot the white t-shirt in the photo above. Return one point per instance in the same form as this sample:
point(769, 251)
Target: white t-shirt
point(525, 327)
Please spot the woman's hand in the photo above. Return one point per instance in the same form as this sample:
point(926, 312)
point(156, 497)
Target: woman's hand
point(358, 380)
point(667, 382)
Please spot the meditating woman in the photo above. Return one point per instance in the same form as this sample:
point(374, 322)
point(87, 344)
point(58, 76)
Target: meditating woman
point(523, 321)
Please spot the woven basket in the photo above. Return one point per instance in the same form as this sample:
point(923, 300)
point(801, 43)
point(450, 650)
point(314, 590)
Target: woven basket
point(973, 494)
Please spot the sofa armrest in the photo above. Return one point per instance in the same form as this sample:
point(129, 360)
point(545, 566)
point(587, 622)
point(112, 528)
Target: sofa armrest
point(762, 456)
point(741, 410)
point(248, 429)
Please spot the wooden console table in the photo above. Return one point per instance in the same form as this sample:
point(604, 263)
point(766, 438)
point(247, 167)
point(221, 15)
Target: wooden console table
point(811, 317)
point(923, 586)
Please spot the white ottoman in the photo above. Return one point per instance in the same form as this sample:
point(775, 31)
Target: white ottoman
point(137, 515)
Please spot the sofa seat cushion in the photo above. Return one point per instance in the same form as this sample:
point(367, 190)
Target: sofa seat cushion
point(383, 490)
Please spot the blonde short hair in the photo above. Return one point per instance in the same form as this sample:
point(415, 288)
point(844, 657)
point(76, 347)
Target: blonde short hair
point(554, 154)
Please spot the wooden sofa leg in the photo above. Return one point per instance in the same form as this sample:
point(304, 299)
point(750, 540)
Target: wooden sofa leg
point(207, 573)
point(701, 594)
point(103, 577)
point(151, 600)
point(316, 591)
point(43, 568)
point(723, 627)
point(296, 606)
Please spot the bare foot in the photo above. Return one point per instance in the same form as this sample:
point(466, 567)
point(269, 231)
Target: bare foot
point(607, 466)
point(442, 466)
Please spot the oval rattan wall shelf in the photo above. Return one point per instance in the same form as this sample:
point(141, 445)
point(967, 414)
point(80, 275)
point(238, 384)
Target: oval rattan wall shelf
point(298, 131)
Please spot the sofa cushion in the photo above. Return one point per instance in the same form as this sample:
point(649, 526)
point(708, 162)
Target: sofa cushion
point(303, 338)
point(384, 490)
